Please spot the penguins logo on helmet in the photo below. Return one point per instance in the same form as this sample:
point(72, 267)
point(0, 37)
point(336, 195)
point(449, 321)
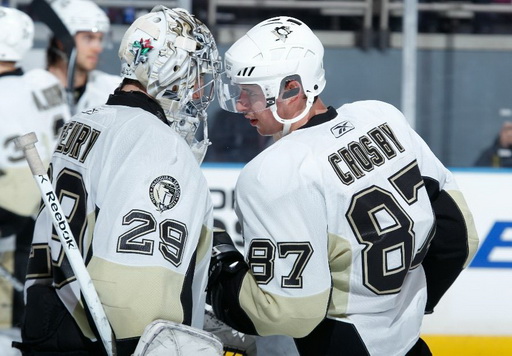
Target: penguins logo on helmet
point(282, 33)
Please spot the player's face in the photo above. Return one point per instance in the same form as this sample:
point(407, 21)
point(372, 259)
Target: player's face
point(89, 46)
point(252, 103)
point(264, 122)
point(198, 88)
point(203, 86)
point(251, 99)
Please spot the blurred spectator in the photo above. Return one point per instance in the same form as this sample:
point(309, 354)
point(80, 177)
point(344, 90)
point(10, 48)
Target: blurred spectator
point(457, 21)
point(483, 21)
point(129, 15)
point(499, 154)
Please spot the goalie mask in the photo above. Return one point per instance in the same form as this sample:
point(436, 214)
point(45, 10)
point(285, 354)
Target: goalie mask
point(260, 63)
point(174, 56)
point(17, 31)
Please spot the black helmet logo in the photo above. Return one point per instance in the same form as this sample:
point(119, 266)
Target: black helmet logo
point(282, 33)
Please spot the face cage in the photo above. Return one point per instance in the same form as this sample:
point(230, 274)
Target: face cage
point(186, 114)
point(192, 95)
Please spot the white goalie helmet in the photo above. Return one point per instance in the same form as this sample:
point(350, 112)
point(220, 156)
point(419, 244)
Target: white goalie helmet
point(17, 31)
point(174, 56)
point(81, 15)
point(267, 56)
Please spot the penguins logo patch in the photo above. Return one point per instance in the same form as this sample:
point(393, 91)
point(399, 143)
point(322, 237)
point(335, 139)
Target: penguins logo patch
point(164, 193)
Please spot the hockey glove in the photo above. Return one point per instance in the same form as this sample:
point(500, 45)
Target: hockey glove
point(226, 275)
point(226, 259)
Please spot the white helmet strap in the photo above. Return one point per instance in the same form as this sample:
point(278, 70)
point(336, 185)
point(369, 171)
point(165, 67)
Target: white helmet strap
point(287, 123)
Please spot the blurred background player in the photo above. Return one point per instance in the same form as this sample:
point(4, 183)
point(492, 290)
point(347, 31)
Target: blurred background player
point(89, 25)
point(352, 228)
point(142, 213)
point(31, 101)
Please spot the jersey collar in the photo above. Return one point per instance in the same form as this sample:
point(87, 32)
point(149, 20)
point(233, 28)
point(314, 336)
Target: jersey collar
point(17, 72)
point(330, 114)
point(137, 99)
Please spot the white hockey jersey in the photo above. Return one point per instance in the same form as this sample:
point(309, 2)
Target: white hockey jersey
point(99, 86)
point(139, 208)
point(31, 102)
point(337, 219)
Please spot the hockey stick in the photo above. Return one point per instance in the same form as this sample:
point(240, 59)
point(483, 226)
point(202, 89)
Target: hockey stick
point(46, 14)
point(26, 143)
point(16, 284)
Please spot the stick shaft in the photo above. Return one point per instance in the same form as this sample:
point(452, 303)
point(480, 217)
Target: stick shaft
point(68, 242)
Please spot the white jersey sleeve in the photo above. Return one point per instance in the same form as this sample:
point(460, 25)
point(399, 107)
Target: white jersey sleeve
point(337, 220)
point(140, 209)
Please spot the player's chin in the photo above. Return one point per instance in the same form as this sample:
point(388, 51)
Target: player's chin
point(263, 131)
point(91, 64)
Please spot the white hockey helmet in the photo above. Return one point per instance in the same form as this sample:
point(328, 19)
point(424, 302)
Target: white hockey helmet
point(174, 56)
point(272, 52)
point(17, 31)
point(81, 15)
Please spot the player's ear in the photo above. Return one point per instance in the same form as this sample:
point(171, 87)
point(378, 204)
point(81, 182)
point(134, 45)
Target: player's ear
point(291, 88)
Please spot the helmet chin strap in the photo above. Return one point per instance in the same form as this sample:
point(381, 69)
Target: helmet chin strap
point(287, 123)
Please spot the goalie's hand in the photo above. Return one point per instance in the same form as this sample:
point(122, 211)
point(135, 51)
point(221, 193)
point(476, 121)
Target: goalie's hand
point(225, 260)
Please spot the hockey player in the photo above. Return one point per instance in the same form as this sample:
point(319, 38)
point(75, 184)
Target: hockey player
point(352, 228)
point(139, 206)
point(89, 25)
point(30, 101)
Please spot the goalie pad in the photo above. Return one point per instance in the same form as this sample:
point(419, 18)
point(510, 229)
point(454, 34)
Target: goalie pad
point(164, 338)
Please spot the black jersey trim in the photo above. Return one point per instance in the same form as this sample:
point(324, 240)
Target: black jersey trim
point(322, 118)
point(16, 72)
point(137, 99)
point(78, 92)
point(449, 248)
point(332, 338)
point(186, 296)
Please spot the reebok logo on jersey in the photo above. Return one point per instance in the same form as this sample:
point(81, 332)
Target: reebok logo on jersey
point(164, 193)
point(342, 128)
point(90, 111)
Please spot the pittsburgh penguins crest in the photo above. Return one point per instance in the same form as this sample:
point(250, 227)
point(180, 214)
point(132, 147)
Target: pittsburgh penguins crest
point(164, 192)
point(282, 33)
